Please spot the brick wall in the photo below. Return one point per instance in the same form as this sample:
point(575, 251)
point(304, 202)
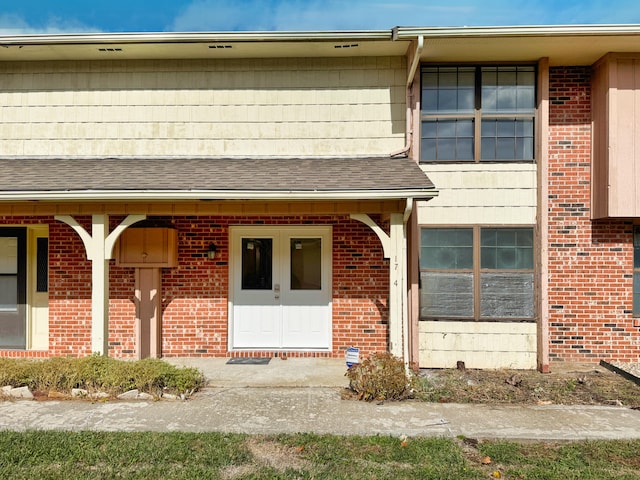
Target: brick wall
point(590, 262)
point(195, 294)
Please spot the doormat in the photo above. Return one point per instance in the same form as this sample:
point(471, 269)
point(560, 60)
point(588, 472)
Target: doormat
point(249, 361)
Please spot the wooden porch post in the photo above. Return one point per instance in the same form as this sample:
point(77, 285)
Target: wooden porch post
point(394, 248)
point(99, 247)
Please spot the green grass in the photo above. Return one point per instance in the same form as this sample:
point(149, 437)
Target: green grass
point(102, 455)
point(575, 460)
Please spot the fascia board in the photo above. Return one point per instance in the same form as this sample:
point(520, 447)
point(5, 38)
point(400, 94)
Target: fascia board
point(408, 33)
point(164, 195)
point(192, 37)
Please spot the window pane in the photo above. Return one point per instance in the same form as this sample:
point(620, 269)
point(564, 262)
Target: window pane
point(447, 248)
point(9, 274)
point(524, 149)
point(42, 265)
point(447, 100)
point(8, 255)
point(506, 248)
point(306, 263)
point(508, 89)
point(460, 237)
point(448, 258)
point(505, 149)
point(446, 294)
point(526, 98)
point(506, 295)
point(446, 148)
point(448, 89)
point(507, 139)
point(636, 293)
point(429, 149)
point(8, 293)
point(506, 101)
point(453, 140)
point(256, 263)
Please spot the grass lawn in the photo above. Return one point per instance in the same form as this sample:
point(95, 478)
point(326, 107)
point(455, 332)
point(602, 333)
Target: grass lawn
point(81, 455)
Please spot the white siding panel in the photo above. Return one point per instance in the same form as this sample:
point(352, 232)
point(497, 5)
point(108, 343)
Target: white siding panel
point(245, 107)
point(478, 344)
point(480, 193)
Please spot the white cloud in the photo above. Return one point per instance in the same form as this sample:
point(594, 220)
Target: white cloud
point(11, 24)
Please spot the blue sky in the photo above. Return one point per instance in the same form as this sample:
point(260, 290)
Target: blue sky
point(76, 16)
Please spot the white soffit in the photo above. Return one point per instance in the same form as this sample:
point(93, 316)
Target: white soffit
point(199, 45)
point(563, 45)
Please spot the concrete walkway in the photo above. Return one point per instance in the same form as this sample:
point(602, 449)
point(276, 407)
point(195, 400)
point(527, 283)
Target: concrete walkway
point(269, 399)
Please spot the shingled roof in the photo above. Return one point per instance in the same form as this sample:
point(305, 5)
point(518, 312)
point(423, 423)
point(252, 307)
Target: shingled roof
point(36, 177)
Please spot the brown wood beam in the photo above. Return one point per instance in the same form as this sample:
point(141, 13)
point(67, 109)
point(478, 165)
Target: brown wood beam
point(225, 207)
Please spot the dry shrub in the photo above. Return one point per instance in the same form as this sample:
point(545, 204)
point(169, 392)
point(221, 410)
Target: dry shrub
point(381, 377)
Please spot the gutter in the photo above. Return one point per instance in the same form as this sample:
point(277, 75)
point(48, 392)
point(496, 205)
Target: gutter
point(207, 195)
point(408, 33)
point(191, 37)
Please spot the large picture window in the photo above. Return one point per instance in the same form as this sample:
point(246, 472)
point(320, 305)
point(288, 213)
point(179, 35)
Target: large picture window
point(478, 113)
point(479, 273)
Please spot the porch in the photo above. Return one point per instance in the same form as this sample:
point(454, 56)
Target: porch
point(278, 372)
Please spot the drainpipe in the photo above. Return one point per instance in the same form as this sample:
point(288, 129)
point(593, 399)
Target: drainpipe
point(412, 73)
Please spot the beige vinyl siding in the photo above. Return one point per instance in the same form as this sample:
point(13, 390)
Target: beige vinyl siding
point(478, 344)
point(491, 194)
point(248, 107)
point(479, 194)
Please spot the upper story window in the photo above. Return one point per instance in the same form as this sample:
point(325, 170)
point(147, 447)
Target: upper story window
point(478, 113)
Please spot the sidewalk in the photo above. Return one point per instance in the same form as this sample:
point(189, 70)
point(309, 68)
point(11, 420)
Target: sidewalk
point(232, 404)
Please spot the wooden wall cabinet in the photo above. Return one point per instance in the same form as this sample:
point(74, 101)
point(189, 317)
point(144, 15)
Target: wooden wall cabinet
point(148, 248)
point(615, 164)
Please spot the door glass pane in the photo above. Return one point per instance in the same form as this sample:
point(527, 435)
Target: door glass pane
point(257, 255)
point(8, 274)
point(306, 263)
point(8, 293)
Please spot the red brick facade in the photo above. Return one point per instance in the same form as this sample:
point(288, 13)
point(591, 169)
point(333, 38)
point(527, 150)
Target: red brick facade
point(195, 294)
point(590, 262)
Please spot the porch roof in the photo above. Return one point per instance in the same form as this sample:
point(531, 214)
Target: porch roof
point(147, 178)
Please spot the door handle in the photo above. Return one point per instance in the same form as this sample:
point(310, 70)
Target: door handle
point(276, 290)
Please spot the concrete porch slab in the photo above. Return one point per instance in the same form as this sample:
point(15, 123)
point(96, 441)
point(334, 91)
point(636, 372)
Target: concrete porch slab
point(293, 372)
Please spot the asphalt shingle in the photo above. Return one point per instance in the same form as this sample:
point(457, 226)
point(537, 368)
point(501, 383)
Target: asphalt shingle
point(210, 174)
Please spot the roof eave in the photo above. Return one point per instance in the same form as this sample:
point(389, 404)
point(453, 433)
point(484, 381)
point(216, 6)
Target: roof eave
point(192, 37)
point(207, 195)
point(408, 33)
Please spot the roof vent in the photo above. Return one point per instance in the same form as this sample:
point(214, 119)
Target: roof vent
point(352, 45)
point(220, 46)
point(109, 49)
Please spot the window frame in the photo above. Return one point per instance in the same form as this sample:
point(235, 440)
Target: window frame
point(477, 115)
point(477, 271)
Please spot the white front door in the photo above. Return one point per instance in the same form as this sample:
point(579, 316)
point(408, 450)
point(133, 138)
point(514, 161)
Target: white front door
point(280, 288)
